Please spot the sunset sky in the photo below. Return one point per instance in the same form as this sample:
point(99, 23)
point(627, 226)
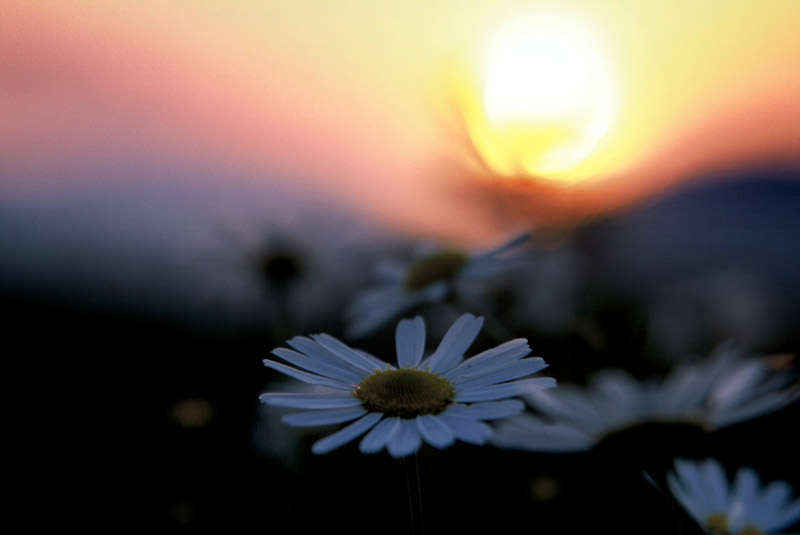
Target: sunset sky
point(187, 185)
point(365, 101)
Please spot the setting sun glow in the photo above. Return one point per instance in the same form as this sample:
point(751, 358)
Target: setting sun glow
point(544, 112)
point(545, 99)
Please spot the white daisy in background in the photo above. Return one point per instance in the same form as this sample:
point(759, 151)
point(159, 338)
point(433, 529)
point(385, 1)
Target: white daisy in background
point(743, 508)
point(289, 270)
point(726, 389)
point(438, 399)
point(431, 277)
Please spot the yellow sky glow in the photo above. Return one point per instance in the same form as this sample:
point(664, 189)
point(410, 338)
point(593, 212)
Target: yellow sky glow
point(358, 97)
point(545, 97)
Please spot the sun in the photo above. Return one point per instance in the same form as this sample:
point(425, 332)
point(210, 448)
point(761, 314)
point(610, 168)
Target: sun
point(544, 98)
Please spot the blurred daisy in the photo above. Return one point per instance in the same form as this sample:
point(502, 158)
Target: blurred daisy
point(726, 389)
point(431, 277)
point(742, 508)
point(292, 272)
point(438, 399)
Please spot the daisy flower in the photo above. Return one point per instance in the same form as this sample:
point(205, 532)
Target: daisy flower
point(290, 271)
point(438, 399)
point(743, 508)
point(725, 390)
point(431, 277)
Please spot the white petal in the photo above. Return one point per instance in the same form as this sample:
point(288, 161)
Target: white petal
point(306, 377)
point(467, 429)
point(391, 270)
point(495, 357)
point(514, 242)
point(309, 347)
point(312, 348)
point(405, 441)
point(347, 353)
point(776, 495)
point(324, 416)
point(382, 433)
point(346, 434)
point(310, 401)
point(508, 372)
point(434, 432)
point(737, 384)
point(410, 341)
point(787, 517)
point(568, 404)
point(745, 485)
point(457, 340)
point(771, 503)
point(686, 496)
point(684, 388)
point(504, 390)
point(490, 410)
point(389, 292)
point(716, 484)
point(369, 314)
point(531, 433)
point(321, 366)
point(695, 489)
point(752, 408)
point(372, 299)
point(432, 293)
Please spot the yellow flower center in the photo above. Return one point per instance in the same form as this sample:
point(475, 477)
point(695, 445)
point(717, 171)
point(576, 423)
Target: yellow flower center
point(405, 393)
point(717, 524)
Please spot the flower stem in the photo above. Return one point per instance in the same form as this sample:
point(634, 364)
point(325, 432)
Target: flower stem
point(414, 494)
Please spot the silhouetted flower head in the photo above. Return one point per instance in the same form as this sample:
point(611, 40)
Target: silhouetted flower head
point(432, 276)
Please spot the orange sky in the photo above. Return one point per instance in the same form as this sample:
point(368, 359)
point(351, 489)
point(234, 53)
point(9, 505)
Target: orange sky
point(353, 96)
